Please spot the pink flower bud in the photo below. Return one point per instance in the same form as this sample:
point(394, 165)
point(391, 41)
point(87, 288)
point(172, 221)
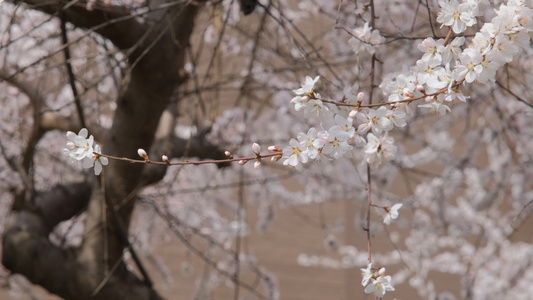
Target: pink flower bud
point(165, 159)
point(274, 149)
point(256, 148)
point(360, 97)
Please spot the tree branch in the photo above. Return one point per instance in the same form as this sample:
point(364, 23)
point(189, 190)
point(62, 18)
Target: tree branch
point(110, 21)
point(27, 249)
point(196, 146)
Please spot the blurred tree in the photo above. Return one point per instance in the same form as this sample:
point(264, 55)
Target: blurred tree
point(193, 79)
point(155, 48)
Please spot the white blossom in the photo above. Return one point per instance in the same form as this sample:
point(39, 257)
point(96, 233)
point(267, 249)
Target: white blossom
point(392, 213)
point(436, 106)
point(313, 143)
point(337, 144)
point(365, 39)
point(366, 274)
point(470, 66)
point(432, 49)
point(79, 146)
point(456, 15)
point(295, 153)
point(304, 93)
point(379, 150)
point(95, 160)
point(316, 108)
point(375, 119)
point(380, 286)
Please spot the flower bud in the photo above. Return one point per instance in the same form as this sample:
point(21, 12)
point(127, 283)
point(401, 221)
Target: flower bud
point(360, 97)
point(256, 148)
point(228, 154)
point(257, 164)
point(165, 159)
point(142, 154)
point(275, 158)
point(274, 149)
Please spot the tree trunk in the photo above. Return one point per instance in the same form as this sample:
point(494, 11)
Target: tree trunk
point(158, 56)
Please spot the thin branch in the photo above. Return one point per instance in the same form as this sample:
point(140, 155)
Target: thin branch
point(508, 90)
point(123, 235)
point(174, 227)
point(241, 160)
point(430, 21)
point(70, 72)
point(369, 205)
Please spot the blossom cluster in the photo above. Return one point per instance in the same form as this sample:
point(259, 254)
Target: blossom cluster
point(444, 65)
point(342, 136)
point(81, 148)
point(436, 79)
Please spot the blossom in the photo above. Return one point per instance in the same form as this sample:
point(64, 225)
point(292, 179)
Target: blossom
point(337, 144)
point(397, 117)
point(505, 47)
point(436, 106)
point(307, 87)
point(95, 160)
point(379, 150)
point(429, 71)
point(490, 65)
point(380, 286)
point(365, 39)
point(432, 49)
point(367, 274)
point(377, 120)
point(312, 142)
point(456, 15)
point(295, 153)
point(470, 66)
point(79, 146)
point(401, 88)
point(452, 50)
point(344, 124)
point(316, 108)
point(454, 93)
point(392, 213)
point(305, 93)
